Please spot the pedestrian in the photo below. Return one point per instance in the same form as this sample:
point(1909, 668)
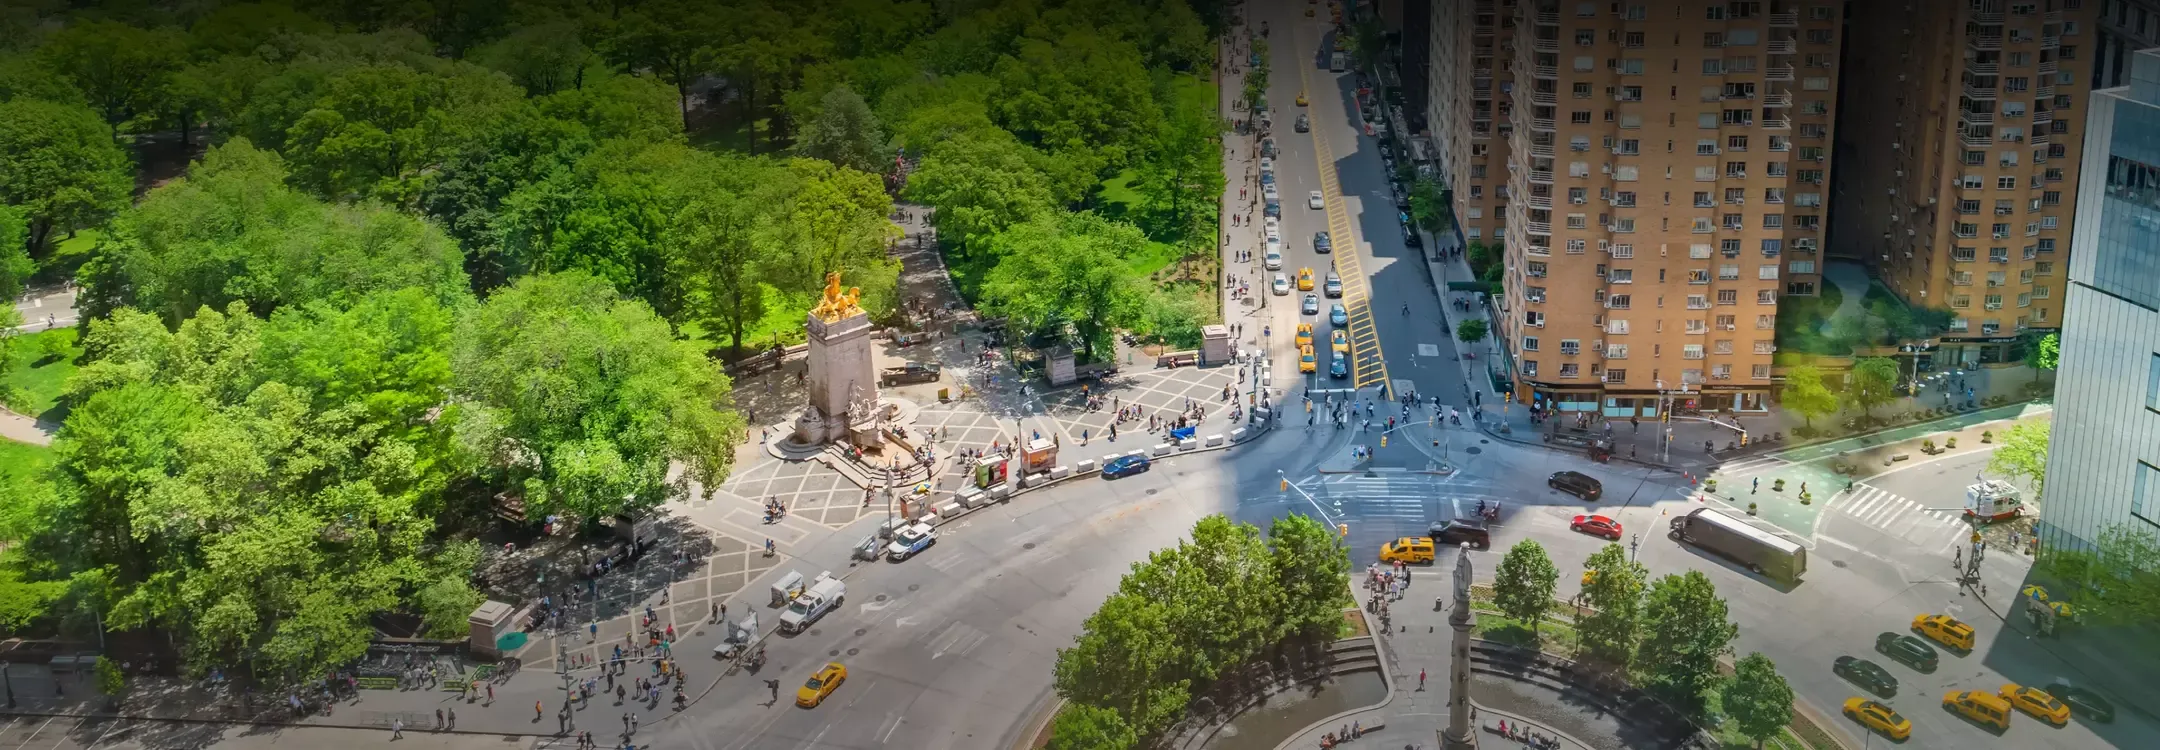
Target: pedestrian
point(491, 694)
point(397, 729)
point(633, 723)
point(1756, 487)
point(438, 718)
point(774, 686)
point(537, 713)
point(1421, 678)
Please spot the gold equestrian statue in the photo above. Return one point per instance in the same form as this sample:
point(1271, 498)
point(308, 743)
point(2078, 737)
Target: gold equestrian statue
point(837, 305)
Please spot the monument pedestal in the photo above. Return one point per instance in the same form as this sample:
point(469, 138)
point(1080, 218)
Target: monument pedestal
point(842, 374)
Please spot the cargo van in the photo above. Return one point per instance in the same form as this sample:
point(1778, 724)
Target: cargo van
point(1760, 551)
point(1986, 709)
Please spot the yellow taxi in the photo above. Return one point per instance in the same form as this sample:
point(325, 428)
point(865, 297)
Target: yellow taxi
point(820, 685)
point(1304, 280)
point(1339, 341)
point(1306, 362)
point(2036, 702)
point(1945, 630)
point(1409, 549)
point(1985, 709)
point(1301, 98)
point(1304, 335)
point(1878, 718)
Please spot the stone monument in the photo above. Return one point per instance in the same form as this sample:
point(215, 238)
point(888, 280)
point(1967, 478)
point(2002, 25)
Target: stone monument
point(1459, 734)
point(842, 374)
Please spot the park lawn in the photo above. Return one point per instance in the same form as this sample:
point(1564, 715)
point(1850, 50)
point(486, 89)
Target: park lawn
point(1552, 636)
point(37, 380)
point(19, 463)
point(69, 254)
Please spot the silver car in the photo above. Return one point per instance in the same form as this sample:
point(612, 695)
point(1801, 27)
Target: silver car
point(1312, 304)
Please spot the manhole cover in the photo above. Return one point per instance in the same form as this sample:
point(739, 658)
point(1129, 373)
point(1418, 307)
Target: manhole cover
point(1151, 492)
point(816, 631)
point(854, 651)
point(1482, 441)
point(1837, 563)
point(1473, 450)
point(860, 631)
point(1029, 545)
point(879, 598)
point(914, 586)
point(834, 652)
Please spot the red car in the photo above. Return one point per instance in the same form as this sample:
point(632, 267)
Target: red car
point(1597, 526)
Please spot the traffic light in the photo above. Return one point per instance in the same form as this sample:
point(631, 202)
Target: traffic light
point(1286, 485)
point(1342, 529)
point(1383, 441)
point(1510, 396)
point(1743, 440)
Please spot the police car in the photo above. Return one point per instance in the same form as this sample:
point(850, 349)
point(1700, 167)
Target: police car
point(910, 540)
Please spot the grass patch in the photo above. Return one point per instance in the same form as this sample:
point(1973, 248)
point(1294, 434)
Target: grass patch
point(1801, 320)
point(1353, 626)
point(20, 464)
point(69, 253)
point(1551, 635)
point(43, 363)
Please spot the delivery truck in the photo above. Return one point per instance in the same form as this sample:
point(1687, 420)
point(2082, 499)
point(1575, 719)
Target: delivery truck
point(1737, 540)
point(825, 593)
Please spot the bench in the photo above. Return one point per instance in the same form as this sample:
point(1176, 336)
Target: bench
point(376, 683)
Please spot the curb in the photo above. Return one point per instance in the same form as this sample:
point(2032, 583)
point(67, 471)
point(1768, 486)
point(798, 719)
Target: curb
point(259, 723)
point(961, 510)
point(1387, 677)
point(1487, 431)
point(1477, 727)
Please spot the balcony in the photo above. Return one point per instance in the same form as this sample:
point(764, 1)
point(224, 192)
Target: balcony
point(2043, 117)
point(1783, 47)
point(1544, 150)
point(1540, 201)
point(1547, 17)
point(1975, 92)
point(1541, 124)
point(1550, 72)
point(1982, 69)
point(1542, 44)
point(1780, 99)
point(2053, 16)
point(2050, 41)
point(2050, 67)
point(1777, 123)
point(2038, 139)
point(1778, 73)
point(2044, 91)
point(1976, 141)
point(1988, 16)
point(1977, 118)
point(1788, 19)
point(1541, 176)
point(1543, 228)
point(1985, 42)
point(1545, 97)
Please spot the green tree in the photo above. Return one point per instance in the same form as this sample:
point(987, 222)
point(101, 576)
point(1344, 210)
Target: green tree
point(1180, 175)
point(59, 166)
point(110, 681)
point(1523, 584)
point(1430, 207)
point(672, 38)
point(15, 264)
point(1805, 393)
point(120, 68)
point(1311, 569)
point(582, 400)
point(836, 219)
point(1470, 331)
point(2043, 353)
point(1084, 727)
point(2023, 454)
point(1069, 270)
point(542, 58)
point(1128, 658)
point(1614, 594)
point(2115, 577)
point(1873, 382)
point(1685, 630)
point(715, 248)
point(1758, 699)
point(980, 187)
point(846, 133)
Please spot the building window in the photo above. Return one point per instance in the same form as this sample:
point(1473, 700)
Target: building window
point(2152, 384)
point(1529, 343)
point(2144, 487)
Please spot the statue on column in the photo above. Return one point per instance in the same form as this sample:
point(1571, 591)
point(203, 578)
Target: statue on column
point(1459, 732)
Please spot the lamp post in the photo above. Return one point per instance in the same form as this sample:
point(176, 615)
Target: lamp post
point(9, 678)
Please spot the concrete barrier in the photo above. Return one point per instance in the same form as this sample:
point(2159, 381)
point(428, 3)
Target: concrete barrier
point(1112, 457)
point(1060, 472)
point(971, 497)
point(1214, 440)
point(947, 508)
point(1188, 444)
point(1162, 449)
point(1086, 465)
point(1237, 435)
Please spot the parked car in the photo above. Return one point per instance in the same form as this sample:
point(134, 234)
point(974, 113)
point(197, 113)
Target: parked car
point(1273, 260)
point(2083, 703)
point(1576, 483)
point(1878, 718)
point(1866, 674)
point(2036, 702)
point(1125, 466)
point(1280, 285)
point(909, 540)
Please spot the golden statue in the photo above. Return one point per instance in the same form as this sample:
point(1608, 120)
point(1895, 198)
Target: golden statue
point(837, 305)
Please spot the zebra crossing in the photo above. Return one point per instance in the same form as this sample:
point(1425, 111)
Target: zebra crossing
point(1893, 514)
point(1405, 495)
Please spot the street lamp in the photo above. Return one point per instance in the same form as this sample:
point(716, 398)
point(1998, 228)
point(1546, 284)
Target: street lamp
point(9, 678)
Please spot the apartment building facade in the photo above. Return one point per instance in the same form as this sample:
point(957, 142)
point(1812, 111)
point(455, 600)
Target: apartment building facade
point(2105, 468)
point(2125, 26)
point(1962, 161)
point(1472, 52)
point(1665, 170)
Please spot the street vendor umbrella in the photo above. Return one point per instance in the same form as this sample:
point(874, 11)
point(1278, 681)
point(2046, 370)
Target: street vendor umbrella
point(2062, 609)
point(922, 489)
point(2034, 591)
point(511, 641)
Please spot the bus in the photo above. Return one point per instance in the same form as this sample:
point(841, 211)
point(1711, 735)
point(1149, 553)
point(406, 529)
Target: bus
point(1760, 551)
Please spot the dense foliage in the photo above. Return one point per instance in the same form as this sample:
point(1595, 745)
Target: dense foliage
point(1190, 614)
point(353, 273)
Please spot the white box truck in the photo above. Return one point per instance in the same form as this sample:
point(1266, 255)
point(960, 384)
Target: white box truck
point(825, 593)
point(1761, 551)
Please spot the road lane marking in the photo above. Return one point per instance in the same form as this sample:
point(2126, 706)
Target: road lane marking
point(1368, 364)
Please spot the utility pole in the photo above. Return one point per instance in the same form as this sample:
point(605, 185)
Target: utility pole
point(562, 668)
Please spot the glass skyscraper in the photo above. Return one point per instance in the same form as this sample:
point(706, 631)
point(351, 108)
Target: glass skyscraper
point(2104, 463)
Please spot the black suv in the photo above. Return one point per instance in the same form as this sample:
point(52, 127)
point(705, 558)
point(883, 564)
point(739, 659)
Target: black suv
point(1304, 123)
point(1321, 243)
point(1452, 533)
point(1576, 483)
point(1910, 651)
point(1866, 674)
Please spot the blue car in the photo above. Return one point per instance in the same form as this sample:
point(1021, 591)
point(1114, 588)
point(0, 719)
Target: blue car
point(1338, 316)
point(1340, 368)
point(1124, 466)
